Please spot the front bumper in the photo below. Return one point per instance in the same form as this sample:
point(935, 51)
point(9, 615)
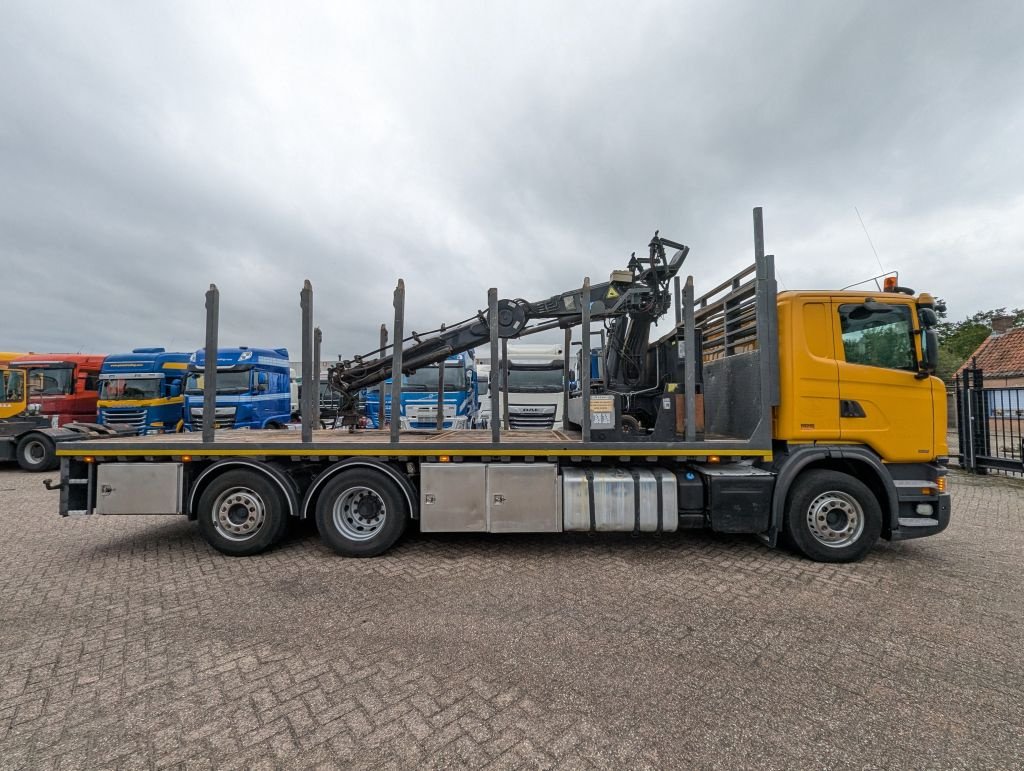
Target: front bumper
point(921, 527)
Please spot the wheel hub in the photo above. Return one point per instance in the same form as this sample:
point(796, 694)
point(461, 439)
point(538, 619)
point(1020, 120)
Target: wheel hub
point(835, 519)
point(359, 513)
point(239, 513)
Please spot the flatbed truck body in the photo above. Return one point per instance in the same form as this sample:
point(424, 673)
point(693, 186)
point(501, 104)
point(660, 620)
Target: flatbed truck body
point(800, 434)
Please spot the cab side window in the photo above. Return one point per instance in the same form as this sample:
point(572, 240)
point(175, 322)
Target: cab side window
point(878, 338)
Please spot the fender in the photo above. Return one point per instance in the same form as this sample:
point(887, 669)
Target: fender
point(411, 497)
point(797, 460)
point(270, 471)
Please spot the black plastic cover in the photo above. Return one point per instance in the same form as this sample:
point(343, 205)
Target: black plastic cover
point(739, 504)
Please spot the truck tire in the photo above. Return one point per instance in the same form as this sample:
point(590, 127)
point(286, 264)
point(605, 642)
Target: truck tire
point(361, 513)
point(242, 513)
point(37, 452)
point(832, 517)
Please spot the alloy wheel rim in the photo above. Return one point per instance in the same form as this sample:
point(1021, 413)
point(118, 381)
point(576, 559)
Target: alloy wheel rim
point(239, 513)
point(835, 519)
point(359, 513)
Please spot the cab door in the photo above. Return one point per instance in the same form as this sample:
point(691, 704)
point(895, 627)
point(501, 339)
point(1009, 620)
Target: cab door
point(13, 393)
point(883, 403)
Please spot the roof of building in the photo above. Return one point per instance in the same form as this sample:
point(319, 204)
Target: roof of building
point(999, 355)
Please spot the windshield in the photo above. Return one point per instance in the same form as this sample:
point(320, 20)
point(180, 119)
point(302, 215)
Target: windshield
point(12, 385)
point(51, 381)
point(234, 382)
point(130, 388)
point(878, 339)
point(534, 380)
point(425, 379)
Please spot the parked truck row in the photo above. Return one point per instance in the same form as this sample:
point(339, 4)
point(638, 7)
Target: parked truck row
point(810, 416)
point(50, 397)
point(153, 391)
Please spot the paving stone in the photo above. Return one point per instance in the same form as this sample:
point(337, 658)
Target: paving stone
point(127, 642)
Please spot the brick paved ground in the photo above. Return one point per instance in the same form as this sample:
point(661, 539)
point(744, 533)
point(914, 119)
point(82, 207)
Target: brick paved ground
point(128, 642)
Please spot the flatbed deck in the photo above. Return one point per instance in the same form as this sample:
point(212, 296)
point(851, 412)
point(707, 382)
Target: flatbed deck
point(459, 442)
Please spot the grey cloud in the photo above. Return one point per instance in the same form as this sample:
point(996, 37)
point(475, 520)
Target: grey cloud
point(150, 151)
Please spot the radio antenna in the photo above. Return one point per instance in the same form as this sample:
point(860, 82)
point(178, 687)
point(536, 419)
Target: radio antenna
point(872, 243)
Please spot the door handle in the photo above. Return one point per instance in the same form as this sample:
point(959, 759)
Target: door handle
point(849, 408)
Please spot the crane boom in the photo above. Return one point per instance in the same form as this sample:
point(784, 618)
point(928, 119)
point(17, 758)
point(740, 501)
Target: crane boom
point(632, 298)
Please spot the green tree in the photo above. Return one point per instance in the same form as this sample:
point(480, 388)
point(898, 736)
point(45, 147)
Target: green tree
point(959, 339)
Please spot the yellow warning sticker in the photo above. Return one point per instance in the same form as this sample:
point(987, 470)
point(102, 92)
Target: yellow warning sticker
point(611, 293)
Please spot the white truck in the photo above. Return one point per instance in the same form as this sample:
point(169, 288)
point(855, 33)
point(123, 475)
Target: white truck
point(536, 375)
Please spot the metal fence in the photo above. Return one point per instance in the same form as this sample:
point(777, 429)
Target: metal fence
point(990, 424)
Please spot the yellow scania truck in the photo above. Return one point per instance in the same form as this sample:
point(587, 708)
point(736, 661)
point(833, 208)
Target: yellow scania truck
point(808, 416)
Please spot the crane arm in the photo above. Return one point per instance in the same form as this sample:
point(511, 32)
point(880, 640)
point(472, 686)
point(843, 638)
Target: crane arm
point(640, 293)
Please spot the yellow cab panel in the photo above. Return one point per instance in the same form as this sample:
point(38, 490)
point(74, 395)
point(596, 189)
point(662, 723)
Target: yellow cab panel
point(808, 408)
point(13, 394)
point(884, 403)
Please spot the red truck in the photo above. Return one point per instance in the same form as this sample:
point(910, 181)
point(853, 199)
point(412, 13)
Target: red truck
point(62, 394)
point(64, 385)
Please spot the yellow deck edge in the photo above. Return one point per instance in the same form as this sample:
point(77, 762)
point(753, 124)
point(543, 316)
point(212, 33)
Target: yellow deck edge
point(539, 452)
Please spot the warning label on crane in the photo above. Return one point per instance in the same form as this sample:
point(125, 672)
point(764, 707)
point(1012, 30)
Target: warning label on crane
point(602, 412)
point(612, 294)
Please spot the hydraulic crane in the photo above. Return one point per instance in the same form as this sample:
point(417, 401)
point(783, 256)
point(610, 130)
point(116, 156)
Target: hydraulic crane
point(629, 303)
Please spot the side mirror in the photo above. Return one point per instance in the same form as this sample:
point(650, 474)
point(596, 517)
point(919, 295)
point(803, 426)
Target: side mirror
point(928, 317)
point(930, 340)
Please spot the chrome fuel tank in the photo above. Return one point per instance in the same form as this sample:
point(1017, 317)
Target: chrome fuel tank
point(621, 500)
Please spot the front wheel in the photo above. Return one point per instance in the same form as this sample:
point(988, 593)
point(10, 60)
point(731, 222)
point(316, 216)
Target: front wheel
point(37, 453)
point(361, 513)
point(832, 517)
point(241, 513)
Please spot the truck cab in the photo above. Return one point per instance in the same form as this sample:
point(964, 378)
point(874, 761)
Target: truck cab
point(143, 390)
point(63, 385)
point(854, 367)
point(253, 389)
point(419, 396)
point(13, 394)
point(535, 384)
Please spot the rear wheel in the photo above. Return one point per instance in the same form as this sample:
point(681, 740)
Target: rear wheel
point(361, 513)
point(832, 517)
point(241, 513)
point(37, 453)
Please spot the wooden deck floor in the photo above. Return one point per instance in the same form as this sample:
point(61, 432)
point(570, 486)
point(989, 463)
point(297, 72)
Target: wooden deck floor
point(368, 436)
point(332, 443)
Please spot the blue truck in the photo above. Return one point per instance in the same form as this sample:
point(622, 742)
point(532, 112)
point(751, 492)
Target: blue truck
point(142, 390)
point(253, 388)
point(419, 396)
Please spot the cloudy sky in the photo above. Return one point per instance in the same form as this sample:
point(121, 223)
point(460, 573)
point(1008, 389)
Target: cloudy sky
point(147, 150)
